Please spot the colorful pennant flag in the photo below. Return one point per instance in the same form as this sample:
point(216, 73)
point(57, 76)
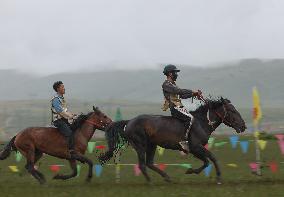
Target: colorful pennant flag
point(91, 146)
point(253, 166)
point(273, 167)
point(54, 168)
point(280, 137)
point(219, 144)
point(281, 146)
point(186, 165)
point(98, 170)
point(257, 113)
point(211, 142)
point(137, 170)
point(100, 147)
point(208, 170)
point(262, 144)
point(14, 168)
point(233, 165)
point(244, 146)
point(234, 140)
point(160, 150)
point(18, 156)
point(162, 166)
point(206, 146)
point(256, 134)
point(78, 170)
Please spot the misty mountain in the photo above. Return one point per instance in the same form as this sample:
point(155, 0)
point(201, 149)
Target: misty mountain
point(234, 81)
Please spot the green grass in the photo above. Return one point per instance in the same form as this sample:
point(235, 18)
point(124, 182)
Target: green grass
point(236, 181)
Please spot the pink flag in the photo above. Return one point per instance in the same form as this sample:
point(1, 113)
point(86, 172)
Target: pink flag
point(206, 146)
point(280, 137)
point(137, 170)
point(253, 166)
point(273, 166)
point(281, 145)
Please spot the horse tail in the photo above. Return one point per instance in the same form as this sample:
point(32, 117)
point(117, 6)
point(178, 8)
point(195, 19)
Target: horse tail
point(5, 153)
point(116, 139)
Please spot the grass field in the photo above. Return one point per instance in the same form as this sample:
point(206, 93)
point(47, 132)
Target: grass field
point(237, 181)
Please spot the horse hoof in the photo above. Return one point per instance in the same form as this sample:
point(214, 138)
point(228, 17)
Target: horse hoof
point(219, 183)
point(57, 176)
point(189, 171)
point(168, 180)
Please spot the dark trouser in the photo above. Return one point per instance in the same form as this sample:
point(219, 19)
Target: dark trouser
point(64, 128)
point(184, 118)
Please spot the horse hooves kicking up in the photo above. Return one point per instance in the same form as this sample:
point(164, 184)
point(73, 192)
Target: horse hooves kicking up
point(190, 171)
point(59, 176)
point(168, 179)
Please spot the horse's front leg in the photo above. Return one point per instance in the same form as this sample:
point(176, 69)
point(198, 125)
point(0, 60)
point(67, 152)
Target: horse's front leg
point(216, 165)
point(73, 165)
point(83, 159)
point(199, 152)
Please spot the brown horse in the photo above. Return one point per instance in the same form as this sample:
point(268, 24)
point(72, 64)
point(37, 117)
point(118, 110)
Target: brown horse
point(34, 141)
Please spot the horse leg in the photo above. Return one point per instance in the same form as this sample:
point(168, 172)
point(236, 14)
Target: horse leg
point(30, 154)
point(198, 152)
point(83, 159)
point(216, 165)
point(38, 155)
point(73, 165)
point(140, 150)
point(150, 153)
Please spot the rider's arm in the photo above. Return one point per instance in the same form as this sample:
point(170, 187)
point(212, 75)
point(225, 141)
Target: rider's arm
point(58, 108)
point(184, 93)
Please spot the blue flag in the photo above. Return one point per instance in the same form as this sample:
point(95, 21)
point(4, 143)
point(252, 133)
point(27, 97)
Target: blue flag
point(234, 140)
point(98, 170)
point(207, 170)
point(244, 146)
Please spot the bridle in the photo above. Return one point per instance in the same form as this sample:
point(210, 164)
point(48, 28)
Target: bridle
point(223, 118)
point(97, 126)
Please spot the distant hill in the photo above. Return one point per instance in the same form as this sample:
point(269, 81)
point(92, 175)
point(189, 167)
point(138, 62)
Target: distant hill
point(234, 82)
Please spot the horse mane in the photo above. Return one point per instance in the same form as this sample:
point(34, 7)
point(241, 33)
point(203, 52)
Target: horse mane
point(78, 122)
point(211, 103)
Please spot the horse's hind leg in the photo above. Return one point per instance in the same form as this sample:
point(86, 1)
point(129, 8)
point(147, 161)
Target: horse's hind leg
point(200, 153)
point(30, 155)
point(73, 165)
point(140, 150)
point(150, 153)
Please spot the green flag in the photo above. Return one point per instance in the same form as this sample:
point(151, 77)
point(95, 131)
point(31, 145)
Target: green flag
point(18, 156)
point(91, 146)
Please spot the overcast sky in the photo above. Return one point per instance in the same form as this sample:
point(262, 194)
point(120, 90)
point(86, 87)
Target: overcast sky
point(60, 35)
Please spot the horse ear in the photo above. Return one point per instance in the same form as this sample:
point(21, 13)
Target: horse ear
point(94, 108)
point(222, 100)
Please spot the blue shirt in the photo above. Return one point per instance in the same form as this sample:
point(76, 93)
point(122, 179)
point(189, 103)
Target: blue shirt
point(56, 103)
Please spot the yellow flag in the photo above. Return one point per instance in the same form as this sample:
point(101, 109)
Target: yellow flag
point(14, 168)
point(256, 134)
point(232, 165)
point(257, 113)
point(160, 150)
point(262, 144)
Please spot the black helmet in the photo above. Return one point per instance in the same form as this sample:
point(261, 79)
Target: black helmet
point(170, 68)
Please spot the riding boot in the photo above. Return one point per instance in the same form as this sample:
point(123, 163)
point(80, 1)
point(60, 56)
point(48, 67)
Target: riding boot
point(184, 144)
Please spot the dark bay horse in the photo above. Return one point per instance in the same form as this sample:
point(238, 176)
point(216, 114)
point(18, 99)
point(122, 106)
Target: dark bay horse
point(34, 141)
point(145, 132)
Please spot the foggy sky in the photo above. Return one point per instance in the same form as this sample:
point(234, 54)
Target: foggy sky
point(54, 35)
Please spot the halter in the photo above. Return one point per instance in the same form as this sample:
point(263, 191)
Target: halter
point(95, 124)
